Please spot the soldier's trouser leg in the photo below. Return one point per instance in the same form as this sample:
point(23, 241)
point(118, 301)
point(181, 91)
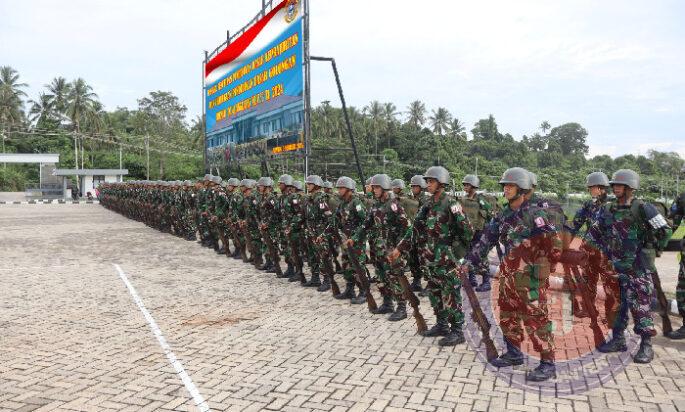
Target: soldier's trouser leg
point(523, 303)
point(680, 289)
point(636, 296)
point(348, 270)
point(449, 285)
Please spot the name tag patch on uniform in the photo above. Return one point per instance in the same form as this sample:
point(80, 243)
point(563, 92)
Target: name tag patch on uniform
point(539, 221)
point(393, 207)
point(322, 206)
point(359, 208)
point(456, 208)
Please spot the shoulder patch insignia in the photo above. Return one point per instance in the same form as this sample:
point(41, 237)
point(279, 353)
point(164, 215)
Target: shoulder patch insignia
point(456, 208)
point(359, 208)
point(393, 207)
point(294, 201)
point(539, 221)
point(322, 205)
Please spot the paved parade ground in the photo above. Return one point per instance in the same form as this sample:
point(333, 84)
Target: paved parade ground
point(98, 312)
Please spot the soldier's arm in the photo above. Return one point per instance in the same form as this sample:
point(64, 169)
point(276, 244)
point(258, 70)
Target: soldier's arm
point(488, 238)
point(461, 226)
point(361, 231)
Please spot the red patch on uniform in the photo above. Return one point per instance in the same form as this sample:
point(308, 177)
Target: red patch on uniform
point(539, 221)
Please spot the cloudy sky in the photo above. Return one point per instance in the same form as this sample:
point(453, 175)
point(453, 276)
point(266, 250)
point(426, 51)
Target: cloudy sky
point(615, 66)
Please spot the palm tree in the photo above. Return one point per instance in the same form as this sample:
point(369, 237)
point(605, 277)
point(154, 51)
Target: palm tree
point(11, 104)
point(457, 129)
point(58, 92)
point(42, 112)
point(545, 126)
point(417, 113)
point(390, 112)
point(440, 120)
point(79, 107)
point(375, 111)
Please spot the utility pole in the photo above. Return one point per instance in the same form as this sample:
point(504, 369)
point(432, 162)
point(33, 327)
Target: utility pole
point(4, 165)
point(476, 165)
point(147, 151)
point(121, 165)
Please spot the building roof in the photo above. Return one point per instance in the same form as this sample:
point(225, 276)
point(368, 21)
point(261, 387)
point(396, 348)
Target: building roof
point(91, 172)
point(29, 158)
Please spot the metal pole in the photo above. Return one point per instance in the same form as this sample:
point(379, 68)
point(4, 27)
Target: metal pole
point(4, 165)
point(147, 151)
point(307, 96)
point(204, 114)
point(476, 165)
point(121, 164)
point(346, 116)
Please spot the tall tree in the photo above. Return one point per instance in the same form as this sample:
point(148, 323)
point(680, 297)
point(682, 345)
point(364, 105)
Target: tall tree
point(417, 113)
point(11, 96)
point(545, 126)
point(457, 129)
point(440, 121)
point(375, 111)
point(42, 112)
point(569, 138)
point(486, 129)
point(58, 93)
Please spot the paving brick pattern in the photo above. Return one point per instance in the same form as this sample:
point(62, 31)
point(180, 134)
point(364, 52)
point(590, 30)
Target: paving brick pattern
point(72, 338)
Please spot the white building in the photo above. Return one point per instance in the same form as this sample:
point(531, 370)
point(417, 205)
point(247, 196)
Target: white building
point(90, 179)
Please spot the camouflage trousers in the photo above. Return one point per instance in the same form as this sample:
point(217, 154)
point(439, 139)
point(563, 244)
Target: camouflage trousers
point(388, 275)
point(483, 268)
point(416, 266)
point(444, 286)
point(598, 267)
point(680, 289)
point(523, 305)
point(637, 289)
point(356, 254)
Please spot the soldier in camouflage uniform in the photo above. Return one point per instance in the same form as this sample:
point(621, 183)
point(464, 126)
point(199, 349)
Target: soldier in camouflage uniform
point(676, 214)
point(598, 264)
point(627, 225)
point(293, 221)
point(249, 222)
point(528, 236)
point(269, 224)
point(419, 239)
point(349, 215)
point(371, 204)
point(333, 241)
point(443, 221)
point(389, 222)
point(479, 212)
point(319, 217)
point(283, 182)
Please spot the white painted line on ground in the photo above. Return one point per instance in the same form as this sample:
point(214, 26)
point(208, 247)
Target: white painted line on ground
point(178, 366)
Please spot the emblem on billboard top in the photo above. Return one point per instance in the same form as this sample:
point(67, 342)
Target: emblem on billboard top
point(291, 10)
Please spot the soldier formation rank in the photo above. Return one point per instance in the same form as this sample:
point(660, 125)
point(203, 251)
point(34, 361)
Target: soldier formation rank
point(425, 241)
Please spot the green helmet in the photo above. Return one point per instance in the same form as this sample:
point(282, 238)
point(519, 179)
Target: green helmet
point(597, 179)
point(328, 185)
point(286, 180)
point(397, 184)
point(533, 179)
point(314, 180)
point(518, 176)
point(233, 182)
point(626, 177)
point(265, 181)
point(381, 180)
point(438, 173)
point(472, 180)
point(298, 185)
point(417, 180)
point(346, 182)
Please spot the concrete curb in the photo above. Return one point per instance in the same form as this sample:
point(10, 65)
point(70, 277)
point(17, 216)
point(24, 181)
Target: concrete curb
point(49, 202)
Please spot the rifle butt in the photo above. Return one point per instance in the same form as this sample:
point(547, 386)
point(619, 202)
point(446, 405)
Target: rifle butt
point(370, 301)
point(335, 289)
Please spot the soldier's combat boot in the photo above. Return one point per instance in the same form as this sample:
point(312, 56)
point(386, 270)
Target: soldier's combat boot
point(416, 284)
point(544, 371)
point(348, 293)
point(645, 354)
point(441, 327)
point(512, 357)
point(288, 272)
point(455, 337)
point(616, 344)
point(222, 250)
point(485, 286)
point(257, 261)
point(314, 282)
point(359, 299)
point(325, 285)
point(266, 265)
point(297, 274)
point(399, 313)
point(677, 334)
point(386, 307)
